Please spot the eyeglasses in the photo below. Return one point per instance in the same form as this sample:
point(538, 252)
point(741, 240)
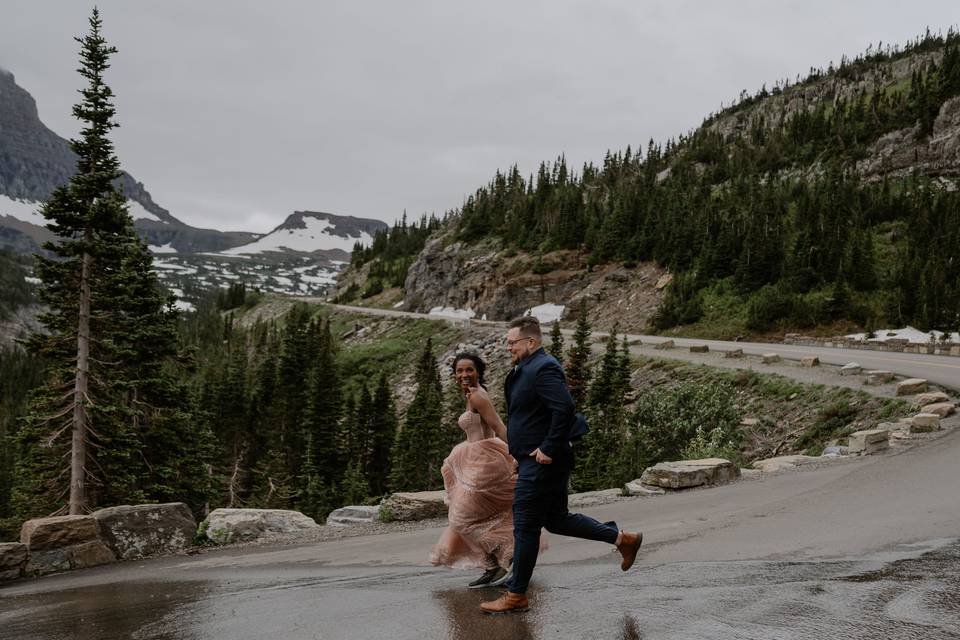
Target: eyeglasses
point(510, 343)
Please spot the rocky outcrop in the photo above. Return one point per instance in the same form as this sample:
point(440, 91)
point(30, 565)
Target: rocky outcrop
point(902, 152)
point(685, 474)
point(930, 397)
point(63, 542)
point(500, 285)
point(418, 505)
point(224, 526)
point(148, 529)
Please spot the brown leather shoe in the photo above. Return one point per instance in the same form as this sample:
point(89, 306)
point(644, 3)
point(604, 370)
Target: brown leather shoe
point(628, 547)
point(507, 603)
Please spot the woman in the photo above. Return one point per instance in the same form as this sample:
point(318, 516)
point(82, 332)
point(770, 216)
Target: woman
point(479, 476)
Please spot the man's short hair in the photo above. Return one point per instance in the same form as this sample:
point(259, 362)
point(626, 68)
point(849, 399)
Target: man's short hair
point(529, 327)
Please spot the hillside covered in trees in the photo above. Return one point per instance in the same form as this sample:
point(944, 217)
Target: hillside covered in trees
point(831, 200)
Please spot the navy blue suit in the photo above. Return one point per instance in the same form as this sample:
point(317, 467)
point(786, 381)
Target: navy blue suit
point(540, 414)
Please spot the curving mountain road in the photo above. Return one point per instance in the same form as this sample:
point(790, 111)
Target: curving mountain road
point(941, 370)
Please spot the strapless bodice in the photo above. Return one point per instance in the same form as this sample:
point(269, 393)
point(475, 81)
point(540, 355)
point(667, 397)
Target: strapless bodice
point(474, 427)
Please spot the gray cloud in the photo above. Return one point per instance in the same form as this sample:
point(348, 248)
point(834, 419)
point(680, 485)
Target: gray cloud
point(236, 113)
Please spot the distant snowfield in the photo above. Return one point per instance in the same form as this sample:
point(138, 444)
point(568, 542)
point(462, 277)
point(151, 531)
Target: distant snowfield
point(25, 210)
point(164, 248)
point(29, 210)
point(907, 333)
point(451, 312)
point(312, 238)
point(547, 313)
point(137, 212)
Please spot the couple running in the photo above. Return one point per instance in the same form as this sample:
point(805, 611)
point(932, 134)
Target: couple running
point(506, 483)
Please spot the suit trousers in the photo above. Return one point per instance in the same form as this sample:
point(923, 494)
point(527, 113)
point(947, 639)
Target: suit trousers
point(540, 502)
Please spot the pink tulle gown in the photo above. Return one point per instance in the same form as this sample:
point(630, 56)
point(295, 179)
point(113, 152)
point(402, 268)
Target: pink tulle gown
point(479, 476)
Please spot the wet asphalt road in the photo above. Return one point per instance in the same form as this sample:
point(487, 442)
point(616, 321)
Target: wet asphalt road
point(912, 592)
point(860, 548)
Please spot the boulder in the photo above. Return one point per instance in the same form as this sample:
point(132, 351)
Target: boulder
point(355, 514)
point(955, 350)
point(942, 409)
point(850, 369)
point(136, 531)
point(76, 556)
point(637, 488)
point(810, 361)
point(910, 386)
point(699, 348)
point(43, 534)
point(780, 463)
point(879, 376)
point(13, 556)
point(834, 451)
point(594, 498)
point(666, 344)
point(684, 474)
point(925, 423)
point(414, 506)
point(930, 397)
point(869, 441)
point(733, 353)
point(223, 526)
point(90, 554)
point(770, 358)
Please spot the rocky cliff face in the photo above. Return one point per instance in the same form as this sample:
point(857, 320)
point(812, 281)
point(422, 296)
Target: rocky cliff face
point(34, 161)
point(898, 153)
point(501, 285)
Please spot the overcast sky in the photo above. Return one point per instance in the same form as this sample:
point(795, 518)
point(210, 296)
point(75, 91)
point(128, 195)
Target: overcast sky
point(235, 113)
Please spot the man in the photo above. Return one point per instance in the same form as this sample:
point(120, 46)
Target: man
point(540, 416)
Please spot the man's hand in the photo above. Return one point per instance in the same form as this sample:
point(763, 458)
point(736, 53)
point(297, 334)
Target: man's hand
point(541, 457)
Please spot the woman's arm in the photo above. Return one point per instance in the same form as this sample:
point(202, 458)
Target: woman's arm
point(479, 400)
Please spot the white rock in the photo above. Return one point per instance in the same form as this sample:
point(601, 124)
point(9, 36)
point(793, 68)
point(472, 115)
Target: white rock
point(683, 474)
point(925, 423)
point(418, 505)
point(879, 376)
point(911, 386)
point(780, 463)
point(354, 514)
point(232, 525)
point(942, 409)
point(637, 488)
point(850, 369)
point(593, 498)
point(869, 441)
point(930, 397)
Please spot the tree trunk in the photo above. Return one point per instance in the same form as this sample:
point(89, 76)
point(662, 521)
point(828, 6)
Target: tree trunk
point(78, 450)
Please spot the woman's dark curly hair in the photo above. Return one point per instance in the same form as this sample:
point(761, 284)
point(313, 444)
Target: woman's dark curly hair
point(477, 361)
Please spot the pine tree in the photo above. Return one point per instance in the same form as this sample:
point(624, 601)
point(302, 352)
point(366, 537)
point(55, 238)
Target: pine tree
point(419, 448)
point(383, 432)
point(602, 463)
point(111, 341)
point(578, 357)
point(556, 342)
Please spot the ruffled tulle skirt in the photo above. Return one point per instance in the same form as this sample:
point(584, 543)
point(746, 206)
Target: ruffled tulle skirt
point(479, 478)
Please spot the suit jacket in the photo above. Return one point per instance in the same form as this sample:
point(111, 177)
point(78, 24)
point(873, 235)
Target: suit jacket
point(540, 410)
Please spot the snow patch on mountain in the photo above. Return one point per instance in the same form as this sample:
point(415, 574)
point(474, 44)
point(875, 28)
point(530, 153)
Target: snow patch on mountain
point(25, 210)
point(29, 210)
point(314, 236)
